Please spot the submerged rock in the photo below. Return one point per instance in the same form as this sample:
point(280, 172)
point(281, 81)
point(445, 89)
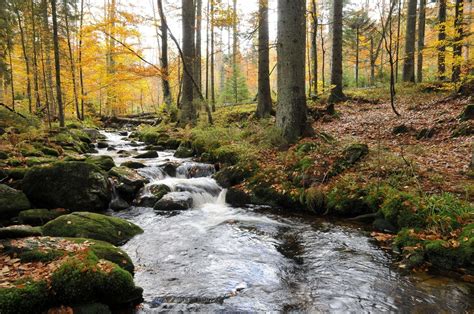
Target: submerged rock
point(71, 185)
point(175, 201)
point(94, 226)
point(170, 168)
point(133, 165)
point(12, 202)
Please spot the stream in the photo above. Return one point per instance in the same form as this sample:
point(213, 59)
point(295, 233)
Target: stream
point(218, 258)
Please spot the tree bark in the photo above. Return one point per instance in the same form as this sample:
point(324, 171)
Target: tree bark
point(410, 37)
point(421, 40)
point(264, 103)
point(27, 61)
point(35, 58)
point(457, 46)
point(442, 40)
point(57, 63)
point(336, 64)
point(164, 59)
point(81, 74)
point(197, 59)
point(188, 111)
point(314, 48)
point(213, 79)
point(47, 48)
point(234, 52)
point(291, 110)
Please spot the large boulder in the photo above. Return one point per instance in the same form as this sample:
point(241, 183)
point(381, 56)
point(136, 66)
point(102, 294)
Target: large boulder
point(19, 231)
point(175, 201)
point(72, 185)
point(94, 226)
point(129, 182)
point(40, 216)
point(103, 162)
point(232, 175)
point(147, 155)
point(184, 151)
point(237, 197)
point(133, 165)
point(12, 202)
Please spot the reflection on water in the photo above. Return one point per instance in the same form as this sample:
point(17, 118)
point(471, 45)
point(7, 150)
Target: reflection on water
point(218, 258)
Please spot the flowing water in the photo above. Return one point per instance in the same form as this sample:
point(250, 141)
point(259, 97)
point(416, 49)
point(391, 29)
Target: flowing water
point(218, 258)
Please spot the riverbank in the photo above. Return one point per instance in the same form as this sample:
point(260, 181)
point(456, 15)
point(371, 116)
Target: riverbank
point(359, 177)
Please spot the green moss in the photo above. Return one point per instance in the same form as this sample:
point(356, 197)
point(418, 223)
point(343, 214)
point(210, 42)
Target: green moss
point(82, 281)
point(445, 211)
point(314, 199)
point(32, 298)
point(14, 162)
point(35, 161)
point(50, 151)
point(38, 217)
point(403, 210)
point(12, 201)
point(103, 162)
point(442, 255)
point(236, 174)
point(348, 198)
point(95, 226)
point(40, 256)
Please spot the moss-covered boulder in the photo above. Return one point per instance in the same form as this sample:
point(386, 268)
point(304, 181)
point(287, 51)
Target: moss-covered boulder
point(464, 129)
point(17, 173)
point(72, 185)
point(19, 231)
point(232, 175)
point(129, 182)
point(147, 155)
point(133, 165)
point(467, 113)
point(351, 155)
point(237, 197)
point(103, 162)
point(30, 297)
point(94, 226)
point(174, 201)
point(12, 202)
point(40, 216)
point(185, 150)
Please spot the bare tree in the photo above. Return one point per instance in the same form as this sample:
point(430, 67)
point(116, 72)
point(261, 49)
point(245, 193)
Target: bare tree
point(457, 46)
point(410, 37)
point(336, 64)
point(264, 104)
point(421, 40)
point(442, 40)
point(57, 63)
point(188, 111)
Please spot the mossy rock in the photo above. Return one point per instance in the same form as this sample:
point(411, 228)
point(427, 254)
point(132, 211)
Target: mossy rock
point(133, 165)
point(85, 281)
point(403, 209)
point(468, 113)
point(426, 133)
point(464, 129)
point(103, 162)
point(237, 197)
point(17, 173)
point(184, 150)
point(350, 156)
point(14, 162)
point(31, 297)
point(50, 151)
point(159, 190)
point(92, 308)
point(233, 175)
point(147, 155)
point(94, 226)
point(35, 161)
point(12, 202)
point(19, 231)
point(71, 185)
point(348, 198)
point(401, 129)
point(40, 216)
point(314, 199)
point(129, 182)
point(442, 255)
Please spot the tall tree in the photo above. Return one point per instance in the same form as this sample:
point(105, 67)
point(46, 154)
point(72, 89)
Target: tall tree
point(212, 69)
point(164, 58)
point(188, 111)
point(421, 40)
point(336, 66)
point(264, 103)
point(442, 40)
point(25, 57)
point(46, 40)
point(458, 38)
point(410, 38)
point(35, 58)
point(291, 110)
point(197, 59)
point(235, 73)
point(81, 74)
point(314, 48)
point(57, 63)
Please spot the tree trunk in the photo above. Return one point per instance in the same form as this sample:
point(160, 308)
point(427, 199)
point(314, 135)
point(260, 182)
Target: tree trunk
point(442, 40)
point(12, 84)
point(57, 63)
point(197, 60)
point(336, 64)
point(234, 53)
point(47, 48)
point(291, 110)
point(27, 61)
point(410, 37)
point(72, 65)
point(264, 104)
point(357, 58)
point(81, 74)
point(164, 59)
point(188, 112)
point(399, 20)
point(323, 58)
point(207, 49)
point(314, 47)
point(35, 58)
point(421, 40)
point(213, 80)
point(457, 46)
point(111, 96)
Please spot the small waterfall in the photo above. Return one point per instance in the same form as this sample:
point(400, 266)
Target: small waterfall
point(195, 170)
point(153, 173)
